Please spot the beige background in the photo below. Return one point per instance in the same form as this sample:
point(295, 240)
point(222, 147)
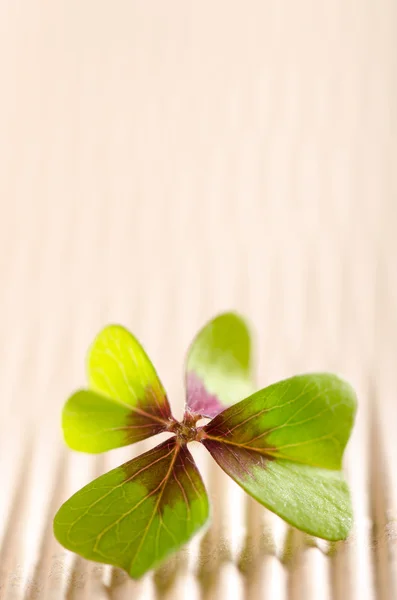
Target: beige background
point(161, 162)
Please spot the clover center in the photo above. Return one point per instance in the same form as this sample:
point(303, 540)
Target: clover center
point(186, 433)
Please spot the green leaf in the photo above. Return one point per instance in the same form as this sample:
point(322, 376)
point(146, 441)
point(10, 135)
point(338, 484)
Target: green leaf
point(126, 402)
point(218, 368)
point(118, 367)
point(284, 445)
point(94, 423)
point(136, 515)
point(307, 418)
point(314, 500)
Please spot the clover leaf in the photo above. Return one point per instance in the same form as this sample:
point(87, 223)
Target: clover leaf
point(283, 445)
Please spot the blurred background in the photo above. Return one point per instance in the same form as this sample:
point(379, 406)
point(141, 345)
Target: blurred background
point(161, 162)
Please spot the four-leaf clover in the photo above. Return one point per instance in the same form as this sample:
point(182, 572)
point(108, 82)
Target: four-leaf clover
point(283, 445)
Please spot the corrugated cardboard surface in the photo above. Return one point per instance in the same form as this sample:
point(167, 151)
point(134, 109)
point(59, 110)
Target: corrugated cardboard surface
point(161, 162)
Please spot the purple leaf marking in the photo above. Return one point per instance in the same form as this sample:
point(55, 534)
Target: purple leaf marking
point(199, 400)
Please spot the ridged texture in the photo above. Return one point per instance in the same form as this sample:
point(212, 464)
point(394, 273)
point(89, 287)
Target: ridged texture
point(162, 162)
